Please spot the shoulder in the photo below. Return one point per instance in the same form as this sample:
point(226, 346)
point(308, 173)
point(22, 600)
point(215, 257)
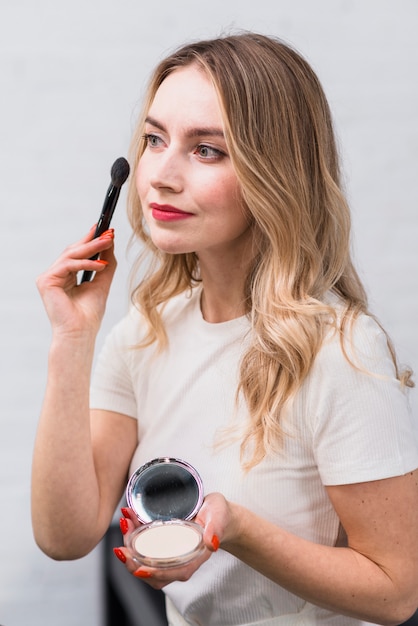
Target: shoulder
point(357, 409)
point(360, 343)
point(354, 376)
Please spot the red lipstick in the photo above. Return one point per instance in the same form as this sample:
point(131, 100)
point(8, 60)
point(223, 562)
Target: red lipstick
point(168, 213)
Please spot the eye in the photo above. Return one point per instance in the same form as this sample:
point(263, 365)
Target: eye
point(207, 152)
point(153, 141)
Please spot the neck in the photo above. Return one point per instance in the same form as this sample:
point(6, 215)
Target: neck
point(224, 270)
point(223, 296)
point(222, 305)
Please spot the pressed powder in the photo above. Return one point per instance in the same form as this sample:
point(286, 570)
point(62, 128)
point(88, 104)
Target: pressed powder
point(165, 494)
point(168, 543)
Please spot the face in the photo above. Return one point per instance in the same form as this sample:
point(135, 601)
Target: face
point(185, 180)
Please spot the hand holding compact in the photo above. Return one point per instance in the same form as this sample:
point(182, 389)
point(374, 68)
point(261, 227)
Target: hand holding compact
point(164, 497)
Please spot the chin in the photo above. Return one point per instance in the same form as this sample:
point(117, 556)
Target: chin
point(171, 247)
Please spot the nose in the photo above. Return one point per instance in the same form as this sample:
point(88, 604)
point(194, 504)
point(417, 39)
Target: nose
point(167, 171)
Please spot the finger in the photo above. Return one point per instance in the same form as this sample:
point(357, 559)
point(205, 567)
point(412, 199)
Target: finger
point(127, 527)
point(210, 533)
point(88, 247)
point(94, 256)
point(108, 254)
point(211, 538)
point(124, 555)
point(158, 578)
point(120, 554)
point(67, 268)
point(212, 517)
point(89, 236)
point(130, 515)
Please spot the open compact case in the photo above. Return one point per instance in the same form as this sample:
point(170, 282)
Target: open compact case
point(165, 494)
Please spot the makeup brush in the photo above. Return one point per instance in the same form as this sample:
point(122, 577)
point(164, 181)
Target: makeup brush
point(118, 175)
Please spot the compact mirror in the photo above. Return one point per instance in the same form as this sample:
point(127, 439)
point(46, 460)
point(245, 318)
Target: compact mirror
point(165, 489)
point(164, 494)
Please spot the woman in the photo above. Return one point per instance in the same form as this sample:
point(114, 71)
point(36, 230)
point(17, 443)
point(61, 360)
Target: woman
point(249, 353)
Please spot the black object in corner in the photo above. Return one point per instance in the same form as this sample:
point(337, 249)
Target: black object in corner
point(127, 601)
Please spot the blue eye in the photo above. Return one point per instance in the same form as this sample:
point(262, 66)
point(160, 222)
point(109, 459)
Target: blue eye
point(151, 140)
point(207, 152)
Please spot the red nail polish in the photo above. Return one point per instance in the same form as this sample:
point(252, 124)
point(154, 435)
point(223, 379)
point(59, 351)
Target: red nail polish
point(142, 574)
point(123, 523)
point(118, 552)
point(215, 542)
point(108, 234)
point(125, 512)
point(102, 261)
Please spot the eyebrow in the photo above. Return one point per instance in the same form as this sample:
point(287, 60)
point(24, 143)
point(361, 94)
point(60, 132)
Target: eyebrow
point(203, 131)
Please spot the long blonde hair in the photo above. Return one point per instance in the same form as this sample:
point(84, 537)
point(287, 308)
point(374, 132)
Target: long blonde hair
point(279, 134)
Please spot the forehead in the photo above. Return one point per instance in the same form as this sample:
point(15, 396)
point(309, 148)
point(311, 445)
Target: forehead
point(187, 93)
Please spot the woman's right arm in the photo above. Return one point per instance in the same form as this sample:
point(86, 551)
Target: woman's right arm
point(80, 460)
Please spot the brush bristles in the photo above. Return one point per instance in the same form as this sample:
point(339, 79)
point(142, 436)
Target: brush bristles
point(119, 172)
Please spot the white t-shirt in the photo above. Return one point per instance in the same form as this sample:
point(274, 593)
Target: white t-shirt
point(344, 426)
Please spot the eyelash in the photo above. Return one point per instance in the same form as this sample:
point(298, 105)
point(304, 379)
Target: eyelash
point(215, 152)
point(147, 138)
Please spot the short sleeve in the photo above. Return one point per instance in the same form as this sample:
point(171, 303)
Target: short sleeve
point(112, 386)
point(360, 416)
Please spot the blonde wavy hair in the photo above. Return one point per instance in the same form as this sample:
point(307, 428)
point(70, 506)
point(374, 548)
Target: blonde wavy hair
point(280, 138)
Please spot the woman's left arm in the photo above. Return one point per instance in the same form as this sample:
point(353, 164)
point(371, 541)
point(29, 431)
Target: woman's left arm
point(374, 578)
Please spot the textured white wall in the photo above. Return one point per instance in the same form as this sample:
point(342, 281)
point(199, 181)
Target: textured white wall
point(72, 73)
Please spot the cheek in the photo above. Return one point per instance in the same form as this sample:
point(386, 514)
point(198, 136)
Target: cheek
point(139, 178)
point(224, 192)
point(142, 190)
point(142, 174)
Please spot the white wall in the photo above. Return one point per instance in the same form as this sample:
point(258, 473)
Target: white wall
point(72, 73)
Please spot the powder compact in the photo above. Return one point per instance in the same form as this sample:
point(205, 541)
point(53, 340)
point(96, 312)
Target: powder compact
point(165, 494)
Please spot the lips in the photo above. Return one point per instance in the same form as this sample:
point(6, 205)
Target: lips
point(168, 213)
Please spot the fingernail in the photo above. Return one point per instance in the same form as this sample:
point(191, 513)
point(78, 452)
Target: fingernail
point(215, 542)
point(102, 261)
point(123, 523)
point(140, 573)
point(118, 552)
point(108, 234)
point(125, 512)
